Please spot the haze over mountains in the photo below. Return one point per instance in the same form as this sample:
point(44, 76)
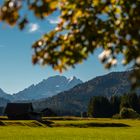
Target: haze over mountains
point(75, 100)
point(4, 98)
point(46, 88)
point(5, 95)
point(71, 96)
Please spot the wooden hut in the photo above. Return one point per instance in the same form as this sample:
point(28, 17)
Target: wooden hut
point(47, 112)
point(21, 111)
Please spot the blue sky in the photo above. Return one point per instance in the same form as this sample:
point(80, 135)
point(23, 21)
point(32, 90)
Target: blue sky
point(17, 71)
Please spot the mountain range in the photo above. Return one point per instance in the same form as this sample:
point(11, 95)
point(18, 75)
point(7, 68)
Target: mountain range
point(3, 102)
point(46, 88)
point(71, 96)
point(75, 100)
point(5, 95)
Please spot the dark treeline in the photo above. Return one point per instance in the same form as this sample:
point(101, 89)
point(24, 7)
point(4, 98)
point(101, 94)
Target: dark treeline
point(102, 107)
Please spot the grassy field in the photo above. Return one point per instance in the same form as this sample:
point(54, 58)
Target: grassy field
point(71, 129)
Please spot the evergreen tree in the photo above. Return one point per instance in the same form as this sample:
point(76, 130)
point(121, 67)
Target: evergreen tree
point(124, 102)
point(90, 108)
point(130, 101)
point(139, 104)
point(100, 107)
point(115, 104)
point(133, 101)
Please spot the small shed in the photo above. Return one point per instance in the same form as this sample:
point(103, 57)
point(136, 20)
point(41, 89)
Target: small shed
point(47, 112)
point(21, 111)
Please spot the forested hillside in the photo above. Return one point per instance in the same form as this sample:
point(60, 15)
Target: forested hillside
point(76, 100)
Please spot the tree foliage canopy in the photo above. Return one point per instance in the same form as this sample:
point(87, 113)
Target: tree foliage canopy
point(84, 26)
point(127, 105)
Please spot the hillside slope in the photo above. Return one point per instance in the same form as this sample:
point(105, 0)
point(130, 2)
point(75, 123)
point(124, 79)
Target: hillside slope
point(75, 100)
point(5, 95)
point(47, 88)
point(3, 102)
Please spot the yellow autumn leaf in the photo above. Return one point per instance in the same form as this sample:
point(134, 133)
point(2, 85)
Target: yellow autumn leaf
point(106, 9)
point(113, 1)
point(118, 10)
point(96, 2)
point(53, 4)
point(77, 14)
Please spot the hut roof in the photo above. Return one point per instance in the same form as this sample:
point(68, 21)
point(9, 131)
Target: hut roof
point(18, 108)
point(46, 109)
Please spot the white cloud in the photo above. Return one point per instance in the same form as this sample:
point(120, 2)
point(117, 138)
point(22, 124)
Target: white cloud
point(54, 20)
point(33, 27)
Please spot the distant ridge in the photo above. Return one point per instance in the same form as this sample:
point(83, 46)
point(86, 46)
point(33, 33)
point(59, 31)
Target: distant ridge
point(5, 95)
point(70, 96)
point(47, 88)
point(75, 100)
point(3, 102)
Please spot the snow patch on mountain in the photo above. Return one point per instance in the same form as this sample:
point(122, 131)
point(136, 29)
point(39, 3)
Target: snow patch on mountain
point(47, 88)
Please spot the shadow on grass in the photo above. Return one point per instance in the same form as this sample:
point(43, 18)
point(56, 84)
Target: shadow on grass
point(86, 125)
point(2, 124)
point(47, 123)
point(32, 123)
point(3, 118)
point(52, 124)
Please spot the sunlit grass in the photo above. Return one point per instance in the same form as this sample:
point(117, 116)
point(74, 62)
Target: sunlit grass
point(28, 132)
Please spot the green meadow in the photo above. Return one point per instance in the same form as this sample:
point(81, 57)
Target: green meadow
point(72, 129)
